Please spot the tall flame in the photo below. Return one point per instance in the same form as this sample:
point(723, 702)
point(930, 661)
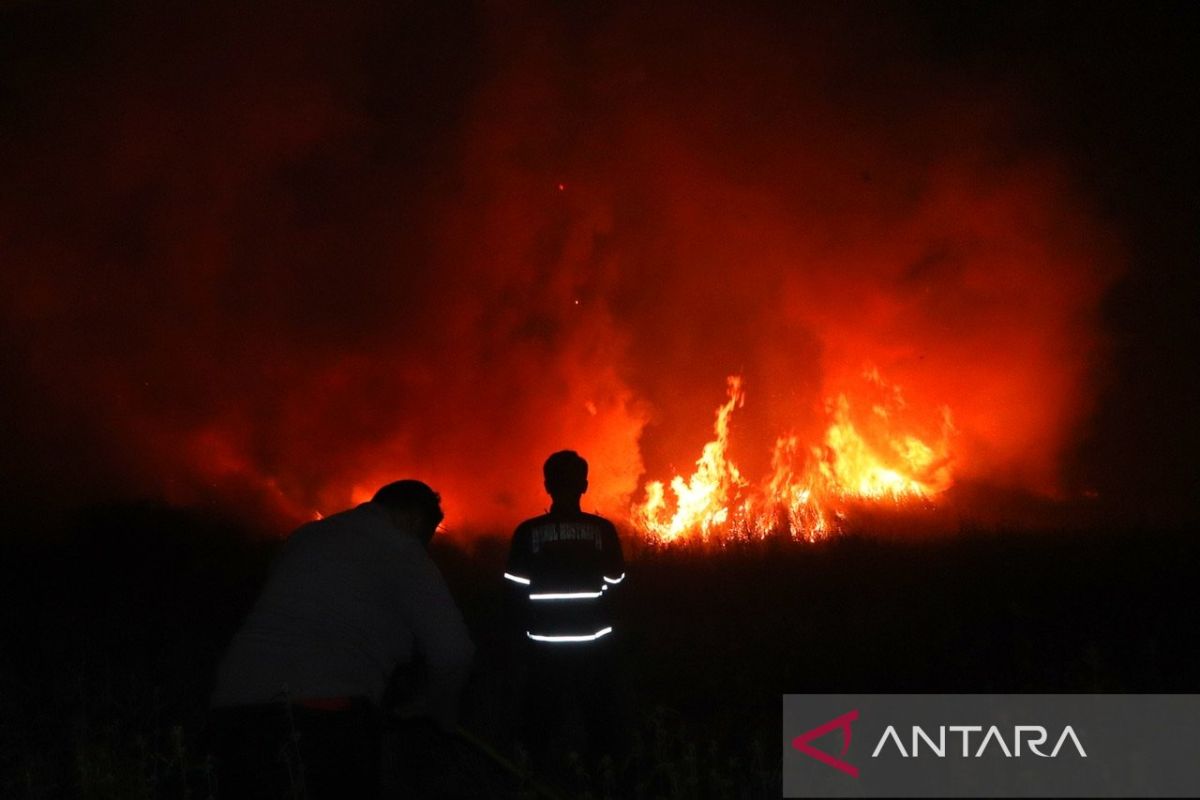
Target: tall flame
point(869, 458)
point(703, 501)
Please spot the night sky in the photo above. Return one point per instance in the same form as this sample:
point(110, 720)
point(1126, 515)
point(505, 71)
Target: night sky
point(265, 258)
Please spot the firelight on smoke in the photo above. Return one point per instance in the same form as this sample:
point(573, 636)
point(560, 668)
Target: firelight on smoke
point(269, 291)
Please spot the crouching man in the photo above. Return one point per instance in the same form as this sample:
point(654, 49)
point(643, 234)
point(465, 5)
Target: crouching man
point(350, 598)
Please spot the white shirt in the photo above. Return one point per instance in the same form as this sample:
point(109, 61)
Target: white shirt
point(349, 598)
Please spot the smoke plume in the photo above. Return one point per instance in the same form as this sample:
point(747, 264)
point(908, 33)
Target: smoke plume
point(272, 259)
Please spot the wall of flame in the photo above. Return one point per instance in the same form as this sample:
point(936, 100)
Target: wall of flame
point(271, 261)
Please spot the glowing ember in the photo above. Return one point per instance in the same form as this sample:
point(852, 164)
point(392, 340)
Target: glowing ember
point(868, 458)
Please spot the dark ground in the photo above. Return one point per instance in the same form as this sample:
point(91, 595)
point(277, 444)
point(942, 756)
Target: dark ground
point(112, 630)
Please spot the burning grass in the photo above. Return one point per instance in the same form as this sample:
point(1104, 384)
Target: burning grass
point(871, 454)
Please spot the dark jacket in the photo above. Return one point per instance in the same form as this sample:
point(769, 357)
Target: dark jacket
point(564, 567)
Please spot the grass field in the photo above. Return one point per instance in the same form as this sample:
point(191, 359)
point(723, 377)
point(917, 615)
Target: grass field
point(113, 629)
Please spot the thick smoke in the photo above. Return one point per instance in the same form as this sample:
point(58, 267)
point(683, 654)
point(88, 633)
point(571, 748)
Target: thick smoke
point(271, 261)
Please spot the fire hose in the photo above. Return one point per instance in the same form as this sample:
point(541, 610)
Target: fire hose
point(506, 764)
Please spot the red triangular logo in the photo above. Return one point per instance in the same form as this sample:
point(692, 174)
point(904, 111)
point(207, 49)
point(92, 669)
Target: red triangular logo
point(801, 742)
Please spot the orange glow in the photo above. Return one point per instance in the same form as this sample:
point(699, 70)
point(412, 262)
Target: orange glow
point(273, 300)
point(864, 458)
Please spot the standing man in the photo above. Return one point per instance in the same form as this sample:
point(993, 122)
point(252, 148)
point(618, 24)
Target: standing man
point(563, 568)
point(351, 597)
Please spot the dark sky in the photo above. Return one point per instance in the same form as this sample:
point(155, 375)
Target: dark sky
point(1116, 90)
point(266, 258)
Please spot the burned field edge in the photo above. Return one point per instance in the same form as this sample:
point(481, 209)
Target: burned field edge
point(116, 622)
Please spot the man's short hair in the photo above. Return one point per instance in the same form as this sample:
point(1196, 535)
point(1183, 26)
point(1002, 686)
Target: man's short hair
point(410, 495)
point(565, 472)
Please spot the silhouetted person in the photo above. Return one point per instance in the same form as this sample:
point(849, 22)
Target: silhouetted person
point(563, 568)
point(350, 598)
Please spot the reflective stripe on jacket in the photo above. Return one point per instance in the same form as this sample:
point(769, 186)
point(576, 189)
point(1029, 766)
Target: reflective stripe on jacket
point(562, 566)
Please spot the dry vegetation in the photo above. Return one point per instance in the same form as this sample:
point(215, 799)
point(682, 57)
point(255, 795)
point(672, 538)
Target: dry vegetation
point(114, 628)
